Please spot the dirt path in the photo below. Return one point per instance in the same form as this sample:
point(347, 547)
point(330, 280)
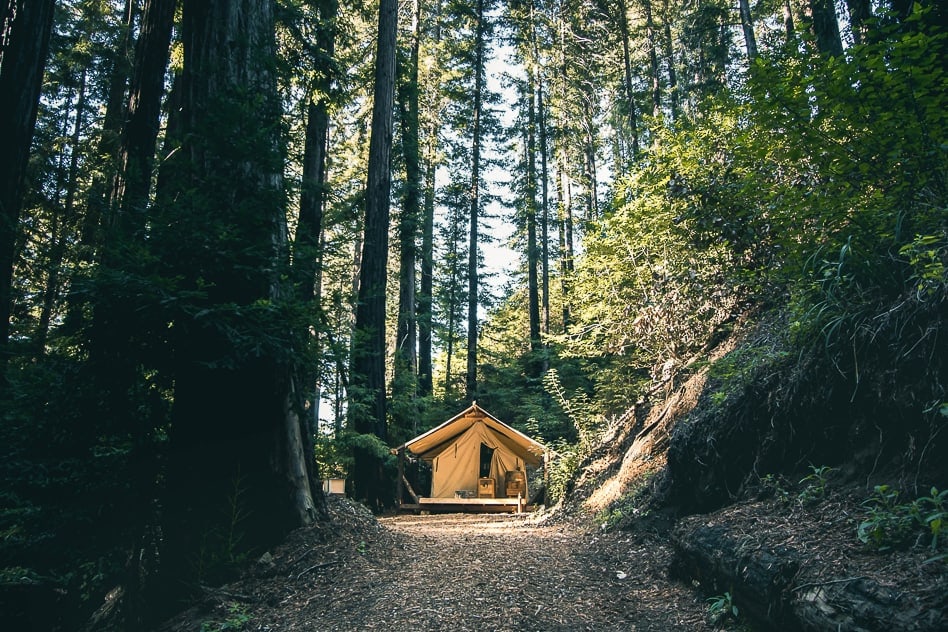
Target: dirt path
point(471, 572)
point(458, 572)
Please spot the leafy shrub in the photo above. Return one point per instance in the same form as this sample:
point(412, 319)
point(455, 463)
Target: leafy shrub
point(588, 426)
point(815, 484)
point(889, 524)
point(236, 619)
point(721, 607)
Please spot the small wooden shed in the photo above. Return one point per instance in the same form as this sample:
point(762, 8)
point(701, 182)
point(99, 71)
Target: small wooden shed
point(478, 463)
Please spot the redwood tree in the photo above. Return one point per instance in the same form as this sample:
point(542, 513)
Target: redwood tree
point(367, 404)
point(237, 475)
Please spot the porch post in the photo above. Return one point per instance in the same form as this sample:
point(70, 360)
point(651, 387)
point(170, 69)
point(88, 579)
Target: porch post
point(401, 476)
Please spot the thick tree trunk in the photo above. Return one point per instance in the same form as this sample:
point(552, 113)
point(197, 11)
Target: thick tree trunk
point(26, 27)
point(234, 470)
point(474, 195)
point(367, 373)
point(114, 317)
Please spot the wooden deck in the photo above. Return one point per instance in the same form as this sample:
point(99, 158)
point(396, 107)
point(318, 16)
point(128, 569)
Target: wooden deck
point(467, 505)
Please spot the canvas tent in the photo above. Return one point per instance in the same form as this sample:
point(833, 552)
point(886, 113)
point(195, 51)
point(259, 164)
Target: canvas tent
point(472, 445)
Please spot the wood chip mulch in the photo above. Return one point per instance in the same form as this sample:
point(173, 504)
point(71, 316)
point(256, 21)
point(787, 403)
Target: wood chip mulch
point(457, 572)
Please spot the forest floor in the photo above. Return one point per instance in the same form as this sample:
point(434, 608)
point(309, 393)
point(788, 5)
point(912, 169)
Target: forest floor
point(453, 571)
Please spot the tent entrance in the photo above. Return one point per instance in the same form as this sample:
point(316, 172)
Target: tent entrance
point(487, 457)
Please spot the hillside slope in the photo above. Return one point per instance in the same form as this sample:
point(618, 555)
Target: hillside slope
point(802, 487)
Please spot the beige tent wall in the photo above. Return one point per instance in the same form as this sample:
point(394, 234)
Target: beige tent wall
point(457, 466)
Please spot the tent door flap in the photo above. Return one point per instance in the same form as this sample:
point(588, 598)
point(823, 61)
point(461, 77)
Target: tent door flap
point(487, 456)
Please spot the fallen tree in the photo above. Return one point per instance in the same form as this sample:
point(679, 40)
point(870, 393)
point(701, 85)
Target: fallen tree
point(792, 579)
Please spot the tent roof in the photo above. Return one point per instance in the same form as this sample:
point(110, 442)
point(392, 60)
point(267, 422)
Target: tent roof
point(429, 444)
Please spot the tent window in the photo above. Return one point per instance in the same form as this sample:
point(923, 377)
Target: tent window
point(487, 455)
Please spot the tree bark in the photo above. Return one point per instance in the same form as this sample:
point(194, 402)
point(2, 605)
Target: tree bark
point(544, 213)
point(425, 295)
point(404, 386)
point(623, 22)
point(530, 207)
point(367, 405)
point(474, 196)
point(668, 50)
point(25, 34)
point(236, 470)
point(306, 248)
point(544, 253)
point(764, 580)
point(652, 58)
point(309, 240)
point(137, 154)
point(747, 24)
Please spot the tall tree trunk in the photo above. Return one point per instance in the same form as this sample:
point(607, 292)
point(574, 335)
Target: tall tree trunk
point(654, 76)
point(58, 238)
point(137, 154)
point(308, 244)
point(25, 33)
point(565, 232)
point(589, 151)
point(423, 309)
point(236, 462)
point(306, 248)
point(404, 386)
point(475, 202)
point(98, 213)
point(629, 90)
point(455, 236)
point(544, 204)
point(367, 371)
point(788, 27)
point(747, 24)
point(668, 48)
point(114, 319)
point(530, 207)
point(423, 313)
